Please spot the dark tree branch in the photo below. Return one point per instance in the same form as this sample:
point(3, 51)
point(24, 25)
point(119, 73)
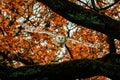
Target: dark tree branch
point(69, 70)
point(97, 9)
point(94, 5)
point(85, 4)
point(110, 5)
point(85, 17)
point(111, 58)
point(111, 43)
point(69, 51)
point(15, 57)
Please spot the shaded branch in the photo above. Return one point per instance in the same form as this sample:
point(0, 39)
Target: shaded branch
point(85, 4)
point(15, 57)
point(97, 9)
point(69, 70)
point(111, 58)
point(111, 43)
point(69, 51)
point(94, 5)
point(85, 17)
point(110, 5)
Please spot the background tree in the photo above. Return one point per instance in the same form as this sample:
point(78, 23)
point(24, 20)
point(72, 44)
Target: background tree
point(28, 30)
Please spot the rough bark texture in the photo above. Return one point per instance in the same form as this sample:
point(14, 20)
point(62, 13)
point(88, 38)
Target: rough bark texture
point(85, 17)
point(69, 70)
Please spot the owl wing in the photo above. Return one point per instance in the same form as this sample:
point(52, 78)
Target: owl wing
point(94, 45)
point(48, 33)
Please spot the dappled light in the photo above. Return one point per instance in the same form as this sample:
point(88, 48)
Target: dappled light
point(29, 31)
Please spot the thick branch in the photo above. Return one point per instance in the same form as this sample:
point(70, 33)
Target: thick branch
point(85, 17)
point(69, 70)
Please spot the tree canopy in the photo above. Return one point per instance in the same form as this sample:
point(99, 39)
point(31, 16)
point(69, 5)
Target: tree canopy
point(31, 34)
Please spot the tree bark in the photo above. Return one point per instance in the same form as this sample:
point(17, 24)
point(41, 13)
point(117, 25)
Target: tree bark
point(85, 17)
point(69, 70)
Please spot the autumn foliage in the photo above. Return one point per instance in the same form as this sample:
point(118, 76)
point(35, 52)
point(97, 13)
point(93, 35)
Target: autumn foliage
point(22, 20)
